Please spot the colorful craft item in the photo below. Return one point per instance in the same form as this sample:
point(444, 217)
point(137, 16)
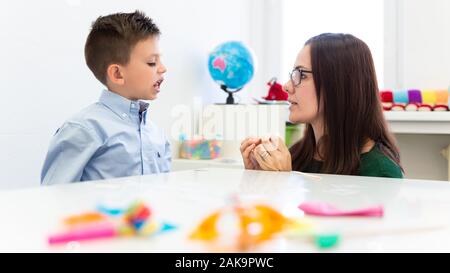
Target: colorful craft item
point(307, 231)
point(412, 107)
point(324, 209)
point(256, 223)
point(414, 96)
point(110, 222)
point(415, 100)
point(441, 108)
point(387, 96)
point(442, 97)
point(428, 97)
point(104, 230)
point(327, 240)
point(425, 108)
point(387, 99)
point(85, 218)
point(401, 96)
point(398, 107)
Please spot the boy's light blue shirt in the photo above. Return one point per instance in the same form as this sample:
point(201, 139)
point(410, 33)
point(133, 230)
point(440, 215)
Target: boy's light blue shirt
point(111, 138)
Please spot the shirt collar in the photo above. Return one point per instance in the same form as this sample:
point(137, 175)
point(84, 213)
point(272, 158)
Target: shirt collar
point(123, 106)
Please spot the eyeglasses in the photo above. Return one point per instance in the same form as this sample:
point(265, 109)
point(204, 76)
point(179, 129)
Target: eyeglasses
point(297, 75)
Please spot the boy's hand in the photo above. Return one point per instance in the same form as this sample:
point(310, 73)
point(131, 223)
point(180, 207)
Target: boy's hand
point(273, 155)
point(246, 148)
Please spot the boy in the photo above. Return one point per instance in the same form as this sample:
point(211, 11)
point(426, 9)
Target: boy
point(114, 137)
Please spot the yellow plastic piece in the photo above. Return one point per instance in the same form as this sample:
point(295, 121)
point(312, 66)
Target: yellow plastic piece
point(84, 218)
point(207, 230)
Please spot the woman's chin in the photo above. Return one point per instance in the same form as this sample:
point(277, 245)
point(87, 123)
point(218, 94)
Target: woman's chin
point(294, 118)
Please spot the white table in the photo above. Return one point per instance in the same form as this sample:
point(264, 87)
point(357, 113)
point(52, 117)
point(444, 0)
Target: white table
point(185, 197)
point(181, 164)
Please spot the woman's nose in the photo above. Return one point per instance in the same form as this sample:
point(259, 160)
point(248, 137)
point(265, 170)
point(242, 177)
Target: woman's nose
point(286, 87)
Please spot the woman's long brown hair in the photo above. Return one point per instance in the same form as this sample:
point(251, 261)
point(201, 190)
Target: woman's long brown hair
point(347, 90)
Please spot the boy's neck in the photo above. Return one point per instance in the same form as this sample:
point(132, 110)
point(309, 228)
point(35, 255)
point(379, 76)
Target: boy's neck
point(121, 93)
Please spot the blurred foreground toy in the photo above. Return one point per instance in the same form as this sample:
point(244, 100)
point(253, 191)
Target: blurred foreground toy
point(253, 225)
point(107, 223)
point(325, 209)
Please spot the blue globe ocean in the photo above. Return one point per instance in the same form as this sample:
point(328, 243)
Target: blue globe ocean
point(231, 65)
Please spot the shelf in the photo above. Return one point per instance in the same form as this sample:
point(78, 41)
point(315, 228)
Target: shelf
point(418, 122)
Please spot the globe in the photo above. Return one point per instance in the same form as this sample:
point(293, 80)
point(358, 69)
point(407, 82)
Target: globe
point(231, 66)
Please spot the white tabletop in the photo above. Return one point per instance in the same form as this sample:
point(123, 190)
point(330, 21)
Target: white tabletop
point(417, 213)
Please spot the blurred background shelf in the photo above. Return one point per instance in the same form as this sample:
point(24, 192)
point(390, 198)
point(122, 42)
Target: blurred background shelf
point(419, 122)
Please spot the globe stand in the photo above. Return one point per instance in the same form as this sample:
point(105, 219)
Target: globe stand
point(230, 98)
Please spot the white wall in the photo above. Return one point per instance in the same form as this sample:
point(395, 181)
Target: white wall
point(305, 19)
point(417, 55)
point(44, 79)
point(425, 40)
point(417, 44)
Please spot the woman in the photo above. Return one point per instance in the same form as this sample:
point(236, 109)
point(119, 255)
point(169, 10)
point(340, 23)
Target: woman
point(333, 89)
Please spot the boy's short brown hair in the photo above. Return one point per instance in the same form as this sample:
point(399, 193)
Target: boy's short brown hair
point(112, 38)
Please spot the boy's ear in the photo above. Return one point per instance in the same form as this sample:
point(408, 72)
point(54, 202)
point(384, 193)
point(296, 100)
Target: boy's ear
point(115, 74)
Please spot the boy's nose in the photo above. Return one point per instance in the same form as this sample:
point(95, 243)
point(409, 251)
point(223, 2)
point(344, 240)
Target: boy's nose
point(162, 69)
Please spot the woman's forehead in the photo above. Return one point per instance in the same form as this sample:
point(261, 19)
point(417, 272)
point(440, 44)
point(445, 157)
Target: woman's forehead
point(304, 58)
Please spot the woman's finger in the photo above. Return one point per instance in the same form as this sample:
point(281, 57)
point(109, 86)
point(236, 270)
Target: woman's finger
point(281, 145)
point(244, 144)
point(248, 141)
point(246, 152)
point(254, 162)
point(260, 150)
point(262, 163)
point(268, 145)
point(265, 159)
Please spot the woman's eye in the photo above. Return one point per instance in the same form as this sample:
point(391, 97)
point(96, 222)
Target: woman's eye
point(303, 75)
point(151, 64)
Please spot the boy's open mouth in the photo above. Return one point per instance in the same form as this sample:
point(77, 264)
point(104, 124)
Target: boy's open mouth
point(157, 85)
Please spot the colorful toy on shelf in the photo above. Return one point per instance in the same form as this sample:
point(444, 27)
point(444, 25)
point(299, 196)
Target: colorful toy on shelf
point(387, 99)
point(108, 223)
point(200, 148)
point(276, 91)
point(275, 95)
point(415, 100)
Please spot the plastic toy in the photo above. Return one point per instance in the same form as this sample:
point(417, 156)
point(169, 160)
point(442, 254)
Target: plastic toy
point(108, 223)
